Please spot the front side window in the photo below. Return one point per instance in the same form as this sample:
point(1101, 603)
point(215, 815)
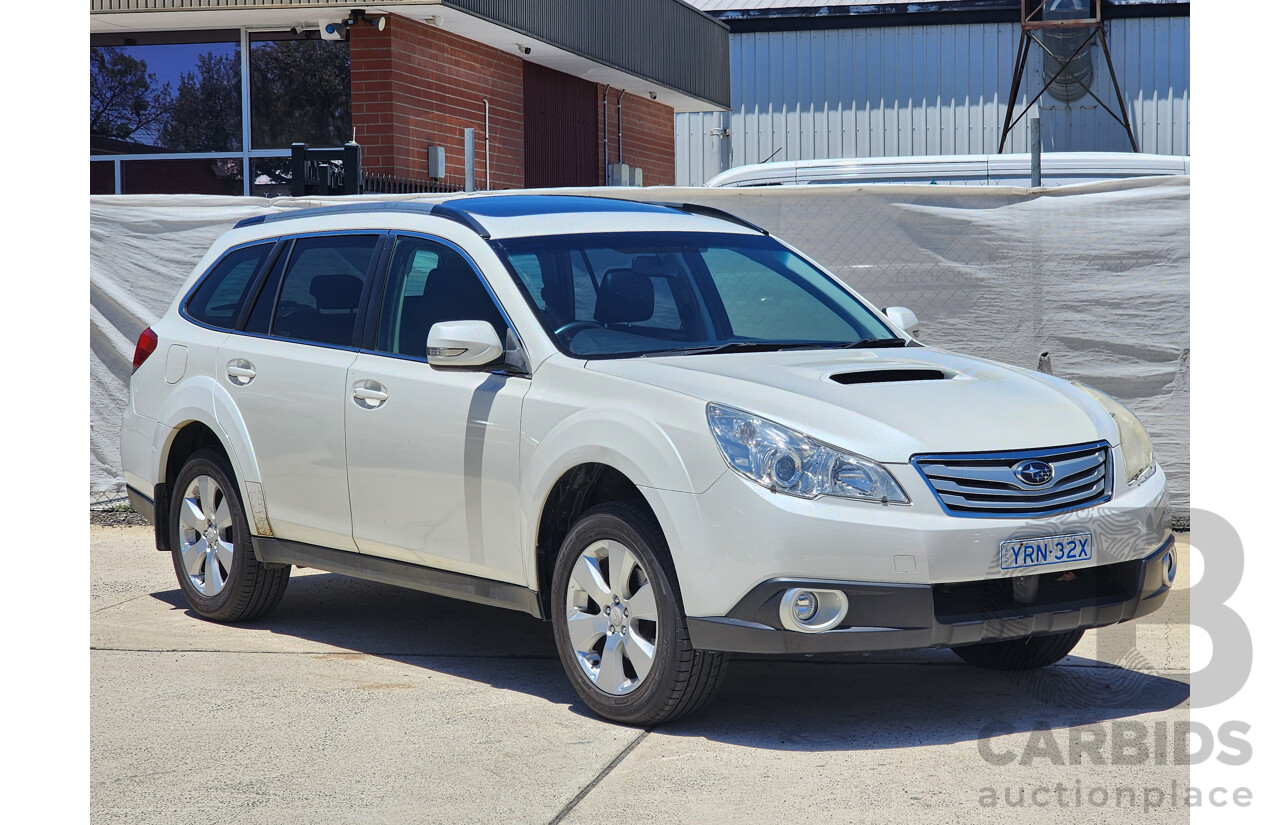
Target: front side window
point(428, 283)
point(625, 294)
point(218, 299)
point(319, 295)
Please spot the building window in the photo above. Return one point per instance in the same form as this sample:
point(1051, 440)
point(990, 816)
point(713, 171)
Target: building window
point(300, 91)
point(167, 111)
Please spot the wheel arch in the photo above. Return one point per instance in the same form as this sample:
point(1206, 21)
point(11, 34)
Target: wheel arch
point(194, 424)
point(577, 490)
point(635, 456)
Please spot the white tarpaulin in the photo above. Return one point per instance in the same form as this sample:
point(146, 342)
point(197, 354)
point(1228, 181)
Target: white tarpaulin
point(1097, 276)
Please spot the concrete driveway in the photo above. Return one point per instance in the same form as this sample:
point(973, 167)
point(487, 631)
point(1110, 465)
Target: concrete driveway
point(359, 702)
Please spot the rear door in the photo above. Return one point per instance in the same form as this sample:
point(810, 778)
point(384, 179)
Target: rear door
point(286, 373)
point(433, 454)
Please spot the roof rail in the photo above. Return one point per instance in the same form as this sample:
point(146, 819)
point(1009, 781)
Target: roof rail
point(711, 212)
point(438, 210)
point(444, 210)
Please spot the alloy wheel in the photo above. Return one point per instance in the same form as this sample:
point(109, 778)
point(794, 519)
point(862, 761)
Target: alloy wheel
point(207, 535)
point(612, 617)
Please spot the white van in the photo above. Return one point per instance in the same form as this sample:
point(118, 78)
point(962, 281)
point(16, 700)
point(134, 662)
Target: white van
point(1057, 169)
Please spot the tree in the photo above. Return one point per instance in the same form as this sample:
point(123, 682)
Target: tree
point(124, 100)
point(205, 116)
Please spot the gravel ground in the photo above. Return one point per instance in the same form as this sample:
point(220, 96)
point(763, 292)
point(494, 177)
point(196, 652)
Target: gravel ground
point(117, 517)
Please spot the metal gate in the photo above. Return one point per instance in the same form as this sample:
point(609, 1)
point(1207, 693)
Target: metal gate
point(560, 138)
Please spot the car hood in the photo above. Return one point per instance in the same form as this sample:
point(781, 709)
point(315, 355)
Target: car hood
point(965, 404)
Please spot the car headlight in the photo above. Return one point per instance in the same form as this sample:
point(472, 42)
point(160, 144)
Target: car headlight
point(1135, 444)
point(786, 461)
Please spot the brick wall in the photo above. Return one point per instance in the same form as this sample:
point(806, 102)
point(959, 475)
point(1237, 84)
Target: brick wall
point(648, 136)
point(415, 85)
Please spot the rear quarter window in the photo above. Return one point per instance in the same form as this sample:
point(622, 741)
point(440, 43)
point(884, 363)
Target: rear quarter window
point(218, 298)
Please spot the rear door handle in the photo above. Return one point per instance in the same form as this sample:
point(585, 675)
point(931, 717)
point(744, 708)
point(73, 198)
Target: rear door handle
point(369, 394)
point(240, 372)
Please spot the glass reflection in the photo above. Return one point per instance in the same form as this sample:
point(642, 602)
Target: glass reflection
point(182, 97)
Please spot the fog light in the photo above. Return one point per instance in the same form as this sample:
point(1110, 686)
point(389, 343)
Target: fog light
point(1169, 569)
point(805, 606)
point(812, 611)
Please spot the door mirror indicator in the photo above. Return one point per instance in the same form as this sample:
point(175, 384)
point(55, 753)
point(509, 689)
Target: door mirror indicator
point(472, 344)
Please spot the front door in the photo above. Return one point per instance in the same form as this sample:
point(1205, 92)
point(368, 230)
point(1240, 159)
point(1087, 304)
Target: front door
point(432, 453)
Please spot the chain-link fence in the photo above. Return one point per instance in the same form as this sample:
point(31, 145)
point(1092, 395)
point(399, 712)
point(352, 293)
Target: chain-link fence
point(1091, 283)
point(107, 500)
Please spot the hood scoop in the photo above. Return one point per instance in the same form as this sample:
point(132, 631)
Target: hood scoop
point(886, 376)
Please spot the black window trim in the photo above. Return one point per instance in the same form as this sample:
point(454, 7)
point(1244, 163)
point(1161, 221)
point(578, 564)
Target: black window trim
point(282, 247)
point(282, 259)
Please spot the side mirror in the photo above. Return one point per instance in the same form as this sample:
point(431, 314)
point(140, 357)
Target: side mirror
point(463, 344)
point(903, 319)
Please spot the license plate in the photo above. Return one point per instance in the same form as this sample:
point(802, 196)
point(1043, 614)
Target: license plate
point(1045, 550)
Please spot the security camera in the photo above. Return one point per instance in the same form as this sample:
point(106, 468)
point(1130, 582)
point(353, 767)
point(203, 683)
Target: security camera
point(653, 95)
point(524, 49)
point(334, 29)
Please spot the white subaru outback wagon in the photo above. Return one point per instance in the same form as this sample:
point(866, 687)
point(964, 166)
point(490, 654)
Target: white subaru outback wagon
point(655, 425)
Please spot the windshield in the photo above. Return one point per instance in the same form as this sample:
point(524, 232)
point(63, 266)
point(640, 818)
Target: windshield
point(629, 294)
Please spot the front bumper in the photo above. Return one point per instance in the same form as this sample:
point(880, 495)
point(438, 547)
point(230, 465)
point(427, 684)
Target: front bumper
point(734, 535)
point(908, 616)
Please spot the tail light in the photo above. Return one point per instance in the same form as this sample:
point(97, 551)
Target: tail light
point(147, 343)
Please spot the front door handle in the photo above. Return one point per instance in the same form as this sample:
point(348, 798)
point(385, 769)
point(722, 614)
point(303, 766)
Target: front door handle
point(240, 372)
point(369, 394)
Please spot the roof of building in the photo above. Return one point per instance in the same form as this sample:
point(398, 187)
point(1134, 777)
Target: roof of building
point(665, 48)
point(743, 16)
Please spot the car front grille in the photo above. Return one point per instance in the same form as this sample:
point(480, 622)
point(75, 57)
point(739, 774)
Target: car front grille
point(986, 485)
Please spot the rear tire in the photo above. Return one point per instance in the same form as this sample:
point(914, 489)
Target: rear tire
point(1020, 654)
point(619, 626)
point(213, 556)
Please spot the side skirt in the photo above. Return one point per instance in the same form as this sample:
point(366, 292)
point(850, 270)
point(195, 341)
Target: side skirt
point(401, 574)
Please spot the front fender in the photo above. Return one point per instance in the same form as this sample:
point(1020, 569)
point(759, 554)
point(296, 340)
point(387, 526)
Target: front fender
point(675, 453)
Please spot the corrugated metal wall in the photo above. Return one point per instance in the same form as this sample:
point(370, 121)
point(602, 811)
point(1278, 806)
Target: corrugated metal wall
point(924, 90)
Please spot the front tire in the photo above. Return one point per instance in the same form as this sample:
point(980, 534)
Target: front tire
point(1021, 654)
point(619, 627)
point(213, 557)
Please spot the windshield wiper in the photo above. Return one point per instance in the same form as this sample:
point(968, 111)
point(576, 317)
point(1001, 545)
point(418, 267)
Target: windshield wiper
point(871, 343)
point(776, 346)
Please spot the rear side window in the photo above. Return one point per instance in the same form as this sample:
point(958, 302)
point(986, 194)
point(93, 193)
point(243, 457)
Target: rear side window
point(218, 299)
point(320, 293)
